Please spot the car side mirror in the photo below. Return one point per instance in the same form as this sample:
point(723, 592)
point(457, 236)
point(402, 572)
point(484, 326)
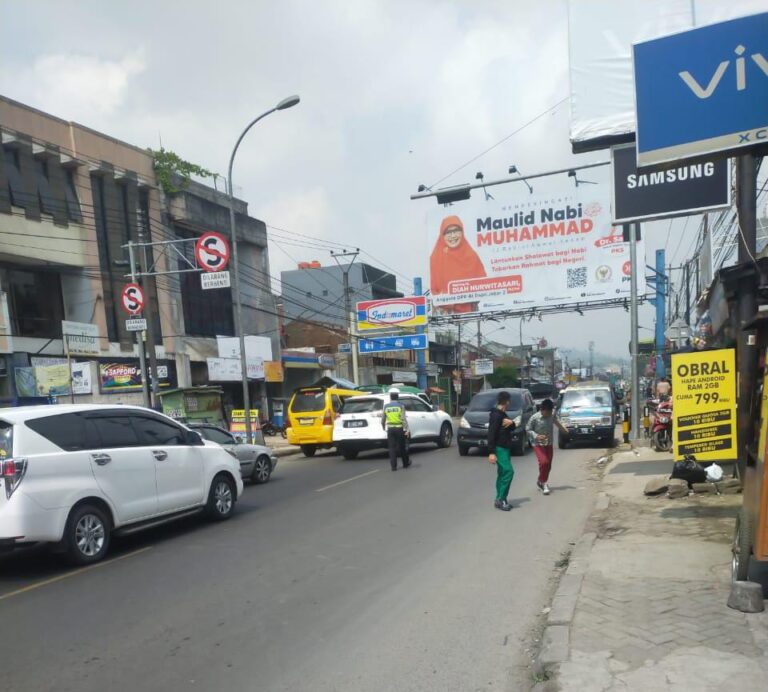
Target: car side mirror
point(462, 410)
point(193, 438)
point(238, 441)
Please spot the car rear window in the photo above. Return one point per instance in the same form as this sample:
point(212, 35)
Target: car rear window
point(66, 430)
point(6, 440)
point(362, 406)
point(312, 400)
point(541, 391)
point(485, 401)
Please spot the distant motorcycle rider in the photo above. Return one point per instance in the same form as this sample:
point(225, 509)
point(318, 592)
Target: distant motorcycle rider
point(394, 421)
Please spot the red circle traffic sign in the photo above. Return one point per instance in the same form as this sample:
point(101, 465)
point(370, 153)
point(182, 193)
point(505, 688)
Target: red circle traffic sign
point(132, 299)
point(212, 252)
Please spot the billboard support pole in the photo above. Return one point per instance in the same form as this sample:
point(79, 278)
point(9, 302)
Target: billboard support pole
point(634, 377)
point(661, 313)
point(421, 356)
point(746, 362)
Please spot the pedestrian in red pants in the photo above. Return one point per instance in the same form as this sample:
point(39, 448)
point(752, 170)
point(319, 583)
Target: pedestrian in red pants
point(541, 431)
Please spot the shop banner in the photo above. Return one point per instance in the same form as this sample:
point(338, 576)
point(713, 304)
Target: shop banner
point(537, 252)
point(390, 313)
point(80, 338)
point(126, 376)
point(704, 404)
point(273, 371)
point(52, 379)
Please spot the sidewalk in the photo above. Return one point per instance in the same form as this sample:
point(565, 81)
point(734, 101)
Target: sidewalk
point(280, 447)
point(642, 605)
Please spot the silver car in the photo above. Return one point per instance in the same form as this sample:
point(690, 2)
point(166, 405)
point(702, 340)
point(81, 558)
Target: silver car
point(257, 462)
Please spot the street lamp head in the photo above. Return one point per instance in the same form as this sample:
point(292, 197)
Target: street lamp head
point(287, 103)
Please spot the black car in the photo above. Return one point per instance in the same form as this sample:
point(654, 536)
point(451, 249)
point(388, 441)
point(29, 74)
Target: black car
point(473, 428)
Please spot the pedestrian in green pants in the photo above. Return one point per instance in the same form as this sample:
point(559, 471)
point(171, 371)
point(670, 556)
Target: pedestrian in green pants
point(499, 443)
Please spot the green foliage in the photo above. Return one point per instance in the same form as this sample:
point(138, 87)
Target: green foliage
point(504, 376)
point(170, 167)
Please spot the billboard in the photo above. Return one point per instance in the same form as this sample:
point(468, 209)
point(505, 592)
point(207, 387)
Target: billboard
point(600, 38)
point(704, 404)
point(542, 251)
point(125, 376)
point(410, 311)
point(702, 91)
point(691, 188)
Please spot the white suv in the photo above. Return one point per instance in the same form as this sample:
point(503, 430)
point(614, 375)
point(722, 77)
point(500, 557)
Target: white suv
point(74, 474)
point(358, 426)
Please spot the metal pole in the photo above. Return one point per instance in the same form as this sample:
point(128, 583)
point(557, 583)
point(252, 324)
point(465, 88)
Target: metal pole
point(458, 368)
point(522, 383)
point(354, 344)
point(661, 312)
point(239, 330)
point(348, 325)
point(421, 366)
point(139, 339)
point(69, 368)
point(150, 290)
point(634, 377)
point(746, 346)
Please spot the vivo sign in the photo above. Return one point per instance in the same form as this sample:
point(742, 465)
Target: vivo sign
point(396, 312)
point(702, 91)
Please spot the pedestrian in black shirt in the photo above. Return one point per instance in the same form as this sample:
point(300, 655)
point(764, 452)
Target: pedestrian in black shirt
point(499, 443)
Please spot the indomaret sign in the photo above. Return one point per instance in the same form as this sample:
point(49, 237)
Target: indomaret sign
point(540, 251)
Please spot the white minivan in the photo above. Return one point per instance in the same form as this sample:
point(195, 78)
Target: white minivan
point(73, 475)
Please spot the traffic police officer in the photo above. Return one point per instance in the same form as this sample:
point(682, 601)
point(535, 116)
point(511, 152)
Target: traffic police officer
point(393, 420)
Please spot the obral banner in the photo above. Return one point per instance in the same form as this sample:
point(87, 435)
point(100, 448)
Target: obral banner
point(704, 404)
point(561, 249)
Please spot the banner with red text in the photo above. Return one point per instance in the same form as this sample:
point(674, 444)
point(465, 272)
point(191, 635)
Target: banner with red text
point(536, 252)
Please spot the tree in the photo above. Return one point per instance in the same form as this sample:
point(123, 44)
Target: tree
point(504, 376)
point(170, 168)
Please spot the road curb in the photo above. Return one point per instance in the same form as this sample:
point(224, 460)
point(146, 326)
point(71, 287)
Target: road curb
point(280, 452)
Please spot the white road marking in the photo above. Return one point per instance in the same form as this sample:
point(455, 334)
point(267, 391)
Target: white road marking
point(348, 480)
point(73, 573)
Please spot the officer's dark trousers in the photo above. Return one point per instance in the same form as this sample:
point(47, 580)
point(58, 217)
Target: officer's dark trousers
point(398, 445)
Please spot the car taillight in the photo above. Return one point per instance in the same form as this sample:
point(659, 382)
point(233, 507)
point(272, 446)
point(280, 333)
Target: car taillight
point(327, 419)
point(14, 471)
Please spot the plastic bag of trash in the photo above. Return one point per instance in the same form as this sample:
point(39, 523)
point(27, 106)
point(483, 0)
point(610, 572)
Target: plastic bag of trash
point(689, 470)
point(714, 473)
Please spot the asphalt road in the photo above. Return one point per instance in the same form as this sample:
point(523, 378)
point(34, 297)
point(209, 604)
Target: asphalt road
point(337, 575)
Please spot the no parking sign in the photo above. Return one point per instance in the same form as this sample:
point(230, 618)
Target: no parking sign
point(212, 252)
point(132, 299)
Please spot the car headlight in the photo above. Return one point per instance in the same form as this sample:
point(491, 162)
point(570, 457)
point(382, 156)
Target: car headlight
point(518, 421)
point(564, 420)
point(231, 452)
point(464, 423)
point(606, 420)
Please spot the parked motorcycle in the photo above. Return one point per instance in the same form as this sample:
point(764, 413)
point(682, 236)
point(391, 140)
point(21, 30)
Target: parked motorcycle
point(661, 439)
point(270, 429)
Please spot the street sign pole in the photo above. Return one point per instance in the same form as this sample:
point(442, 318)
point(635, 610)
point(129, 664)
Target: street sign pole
point(421, 359)
point(140, 335)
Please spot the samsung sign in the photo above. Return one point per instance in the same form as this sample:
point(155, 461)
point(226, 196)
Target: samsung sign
point(702, 91)
point(687, 188)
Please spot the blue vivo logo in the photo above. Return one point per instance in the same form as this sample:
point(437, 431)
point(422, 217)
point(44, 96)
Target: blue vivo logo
point(741, 74)
point(702, 91)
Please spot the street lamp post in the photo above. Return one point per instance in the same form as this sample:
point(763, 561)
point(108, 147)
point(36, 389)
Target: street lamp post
point(285, 103)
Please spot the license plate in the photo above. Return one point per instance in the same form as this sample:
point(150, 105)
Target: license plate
point(585, 430)
point(306, 421)
point(355, 424)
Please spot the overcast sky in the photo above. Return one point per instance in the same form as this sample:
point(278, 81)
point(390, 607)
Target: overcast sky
point(393, 94)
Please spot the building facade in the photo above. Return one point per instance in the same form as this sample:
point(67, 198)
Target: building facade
point(70, 200)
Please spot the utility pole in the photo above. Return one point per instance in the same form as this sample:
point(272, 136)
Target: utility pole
point(345, 269)
point(662, 289)
point(592, 360)
point(634, 377)
point(522, 356)
point(139, 335)
point(150, 294)
point(746, 346)
point(458, 368)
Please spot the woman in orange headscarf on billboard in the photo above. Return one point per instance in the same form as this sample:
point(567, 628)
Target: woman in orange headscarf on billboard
point(453, 259)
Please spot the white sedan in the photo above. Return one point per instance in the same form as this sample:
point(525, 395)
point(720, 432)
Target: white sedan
point(358, 425)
